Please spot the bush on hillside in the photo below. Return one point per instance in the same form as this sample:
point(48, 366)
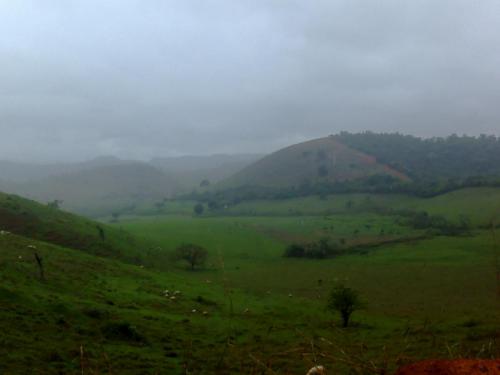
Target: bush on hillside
point(315, 250)
point(438, 223)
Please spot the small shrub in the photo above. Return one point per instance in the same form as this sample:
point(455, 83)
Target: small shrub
point(95, 313)
point(198, 209)
point(204, 301)
point(122, 331)
point(295, 251)
point(470, 323)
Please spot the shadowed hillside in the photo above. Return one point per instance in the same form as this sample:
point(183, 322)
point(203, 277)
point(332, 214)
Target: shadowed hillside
point(34, 220)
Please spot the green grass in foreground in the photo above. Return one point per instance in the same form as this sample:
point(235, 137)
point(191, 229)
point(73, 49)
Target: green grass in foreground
point(421, 302)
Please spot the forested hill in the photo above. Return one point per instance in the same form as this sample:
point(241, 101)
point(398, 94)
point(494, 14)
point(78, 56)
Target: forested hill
point(453, 157)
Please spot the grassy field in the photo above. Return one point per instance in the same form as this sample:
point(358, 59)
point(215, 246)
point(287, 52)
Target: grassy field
point(250, 310)
point(479, 204)
point(422, 275)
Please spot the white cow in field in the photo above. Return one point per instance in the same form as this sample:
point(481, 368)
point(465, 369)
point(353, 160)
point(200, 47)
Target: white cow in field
point(317, 370)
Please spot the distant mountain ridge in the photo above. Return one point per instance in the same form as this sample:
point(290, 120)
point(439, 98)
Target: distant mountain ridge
point(190, 170)
point(19, 172)
point(199, 162)
point(108, 184)
point(100, 190)
point(363, 162)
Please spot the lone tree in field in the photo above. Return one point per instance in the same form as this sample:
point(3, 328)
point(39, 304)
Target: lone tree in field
point(345, 301)
point(198, 209)
point(195, 255)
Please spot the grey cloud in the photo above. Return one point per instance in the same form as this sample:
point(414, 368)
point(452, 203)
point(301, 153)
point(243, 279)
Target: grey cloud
point(155, 78)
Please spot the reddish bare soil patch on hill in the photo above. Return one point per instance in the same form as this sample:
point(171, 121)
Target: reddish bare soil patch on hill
point(452, 367)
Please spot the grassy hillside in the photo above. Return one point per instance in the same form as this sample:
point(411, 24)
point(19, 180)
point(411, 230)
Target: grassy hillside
point(319, 160)
point(40, 222)
point(96, 315)
point(101, 190)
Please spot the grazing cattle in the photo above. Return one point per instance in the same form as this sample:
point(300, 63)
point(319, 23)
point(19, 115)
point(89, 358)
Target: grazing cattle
point(452, 367)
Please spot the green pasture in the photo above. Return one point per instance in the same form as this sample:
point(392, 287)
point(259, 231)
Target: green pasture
point(442, 276)
point(479, 204)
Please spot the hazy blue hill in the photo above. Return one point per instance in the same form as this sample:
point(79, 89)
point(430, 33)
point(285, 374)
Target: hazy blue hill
point(197, 162)
point(191, 170)
point(103, 189)
point(19, 172)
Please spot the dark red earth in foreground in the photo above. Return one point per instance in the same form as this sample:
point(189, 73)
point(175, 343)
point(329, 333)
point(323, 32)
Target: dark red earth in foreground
point(452, 367)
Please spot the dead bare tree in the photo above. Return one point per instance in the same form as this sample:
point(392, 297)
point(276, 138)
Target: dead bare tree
point(39, 262)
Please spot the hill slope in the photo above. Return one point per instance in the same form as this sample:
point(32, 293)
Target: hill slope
point(452, 157)
point(39, 222)
point(101, 190)
point(319, 160)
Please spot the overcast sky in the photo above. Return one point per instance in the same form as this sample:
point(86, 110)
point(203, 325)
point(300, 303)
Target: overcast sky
point(145, 78)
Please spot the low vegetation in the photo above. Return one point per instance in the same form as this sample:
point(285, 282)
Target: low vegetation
point(316, 250)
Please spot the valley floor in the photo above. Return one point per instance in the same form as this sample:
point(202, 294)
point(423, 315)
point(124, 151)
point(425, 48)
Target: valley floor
point(250, 310)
